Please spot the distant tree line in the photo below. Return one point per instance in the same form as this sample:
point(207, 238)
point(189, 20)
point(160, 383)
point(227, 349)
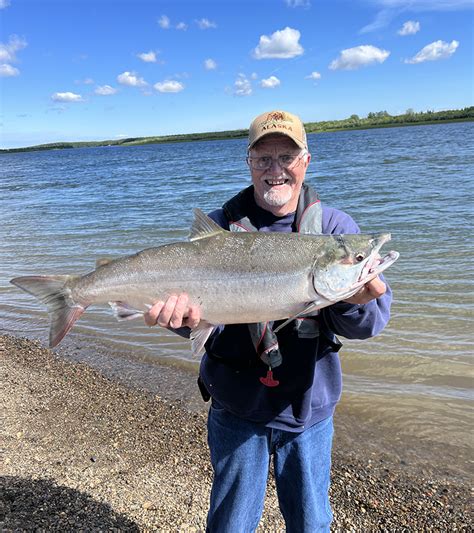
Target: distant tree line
point(377, 119)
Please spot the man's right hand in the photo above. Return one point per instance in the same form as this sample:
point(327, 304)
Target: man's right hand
point(174, 313)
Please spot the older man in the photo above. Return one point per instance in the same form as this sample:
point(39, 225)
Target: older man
point(275, 394)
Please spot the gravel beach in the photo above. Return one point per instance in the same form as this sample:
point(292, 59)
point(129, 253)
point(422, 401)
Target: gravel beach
point(83, 452)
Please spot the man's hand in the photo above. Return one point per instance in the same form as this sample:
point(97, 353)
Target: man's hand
point(370, 291)
point(174, 313)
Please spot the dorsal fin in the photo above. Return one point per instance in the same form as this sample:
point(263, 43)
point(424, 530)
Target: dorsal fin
point(203, 226)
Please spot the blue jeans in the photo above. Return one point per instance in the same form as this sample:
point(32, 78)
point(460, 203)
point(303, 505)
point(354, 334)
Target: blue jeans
point(240, 457)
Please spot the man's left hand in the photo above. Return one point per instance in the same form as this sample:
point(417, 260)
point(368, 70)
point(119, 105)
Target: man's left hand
point(370, 291)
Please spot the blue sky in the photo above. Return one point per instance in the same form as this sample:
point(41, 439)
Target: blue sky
point(106, 69)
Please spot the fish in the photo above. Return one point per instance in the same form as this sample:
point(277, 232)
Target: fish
point(235, 278)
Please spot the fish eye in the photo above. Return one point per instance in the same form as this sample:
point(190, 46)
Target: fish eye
point(359, 257)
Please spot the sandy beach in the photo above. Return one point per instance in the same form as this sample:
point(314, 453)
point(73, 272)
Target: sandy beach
point(83, 452)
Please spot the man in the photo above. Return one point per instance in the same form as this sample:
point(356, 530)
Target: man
point(277, 400)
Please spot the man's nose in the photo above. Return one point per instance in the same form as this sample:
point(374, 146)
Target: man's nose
point(275, 167)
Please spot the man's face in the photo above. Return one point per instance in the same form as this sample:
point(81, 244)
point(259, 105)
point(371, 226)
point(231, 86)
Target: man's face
point(277, 189)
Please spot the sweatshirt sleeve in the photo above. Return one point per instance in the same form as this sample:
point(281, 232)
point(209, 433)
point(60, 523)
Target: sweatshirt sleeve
point(353, 321)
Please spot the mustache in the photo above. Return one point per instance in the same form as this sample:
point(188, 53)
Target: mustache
point(282, 175)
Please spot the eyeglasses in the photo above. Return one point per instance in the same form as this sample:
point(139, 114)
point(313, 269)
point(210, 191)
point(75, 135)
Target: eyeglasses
point(284, 161)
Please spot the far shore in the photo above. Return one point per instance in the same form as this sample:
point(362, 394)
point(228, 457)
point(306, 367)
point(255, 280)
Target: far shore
point(380, 119)
point(84, 452)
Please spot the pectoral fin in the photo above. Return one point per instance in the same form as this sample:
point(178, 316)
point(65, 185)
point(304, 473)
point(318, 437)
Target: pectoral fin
point(313, 306)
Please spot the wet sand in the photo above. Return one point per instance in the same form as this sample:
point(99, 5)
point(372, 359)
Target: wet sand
point(82, 451)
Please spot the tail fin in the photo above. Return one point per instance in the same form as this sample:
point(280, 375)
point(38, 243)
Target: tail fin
point(52, 291)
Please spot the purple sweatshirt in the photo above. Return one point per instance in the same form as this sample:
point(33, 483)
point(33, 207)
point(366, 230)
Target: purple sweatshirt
point(310, 378)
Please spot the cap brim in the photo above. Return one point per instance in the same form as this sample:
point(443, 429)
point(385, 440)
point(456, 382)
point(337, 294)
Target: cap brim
point(264, 134)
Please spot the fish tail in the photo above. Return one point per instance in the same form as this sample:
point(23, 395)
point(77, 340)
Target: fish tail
point(53, 292)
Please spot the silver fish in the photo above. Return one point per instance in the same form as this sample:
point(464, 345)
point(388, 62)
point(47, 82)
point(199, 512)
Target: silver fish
point(235, 277)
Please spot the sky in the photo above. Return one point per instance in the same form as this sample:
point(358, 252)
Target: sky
point(80, 70)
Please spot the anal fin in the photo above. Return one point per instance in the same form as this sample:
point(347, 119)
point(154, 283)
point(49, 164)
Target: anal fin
point(199, 337)
point(124, 311)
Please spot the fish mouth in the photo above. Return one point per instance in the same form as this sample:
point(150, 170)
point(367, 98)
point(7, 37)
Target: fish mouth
point(374, 266)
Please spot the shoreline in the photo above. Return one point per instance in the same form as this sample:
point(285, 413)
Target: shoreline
point(311, 128)
point(84, 451)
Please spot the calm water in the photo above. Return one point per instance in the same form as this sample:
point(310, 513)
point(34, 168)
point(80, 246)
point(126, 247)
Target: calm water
point(61, 210)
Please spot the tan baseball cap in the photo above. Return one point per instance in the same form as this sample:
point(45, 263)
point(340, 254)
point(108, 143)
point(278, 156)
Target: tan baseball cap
point(280, 122)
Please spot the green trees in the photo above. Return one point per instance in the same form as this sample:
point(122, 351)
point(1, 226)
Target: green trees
point(378, 119)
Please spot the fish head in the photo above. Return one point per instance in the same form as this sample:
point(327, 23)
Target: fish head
point(348, 263)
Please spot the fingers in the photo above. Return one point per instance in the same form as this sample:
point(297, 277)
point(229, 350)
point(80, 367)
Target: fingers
point(370, 291)
point(164, 316)
point(174, 313)
point(194, 316)
point(151, 316)
point(376, 287)
point(177, 313)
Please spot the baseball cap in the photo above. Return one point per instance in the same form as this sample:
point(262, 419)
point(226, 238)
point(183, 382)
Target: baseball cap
point(280, 122)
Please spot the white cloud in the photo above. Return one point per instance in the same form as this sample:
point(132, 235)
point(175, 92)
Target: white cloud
point(205, 24)
point(164, 22)
point(359, 56)
point(4, 4)
point(410, 27)
point(210, 64)
point(169, 86)
point(382, 19)
point(7, 71)
point(66, 97)
point(242, 86)
point(282, 44)
point(148, 57)
point(392, 8)
point(298, 3)
point(131, 79)
point(105, 90)
point(270, 83)
point(434, 51)
point(313, 76)
point(8, 51)
point(253, 76)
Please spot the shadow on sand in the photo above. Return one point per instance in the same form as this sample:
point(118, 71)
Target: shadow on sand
point(41, 504)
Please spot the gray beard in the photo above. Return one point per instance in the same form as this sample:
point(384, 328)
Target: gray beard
point(276, 198)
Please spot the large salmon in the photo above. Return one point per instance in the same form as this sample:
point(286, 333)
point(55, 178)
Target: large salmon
point(234, 277)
